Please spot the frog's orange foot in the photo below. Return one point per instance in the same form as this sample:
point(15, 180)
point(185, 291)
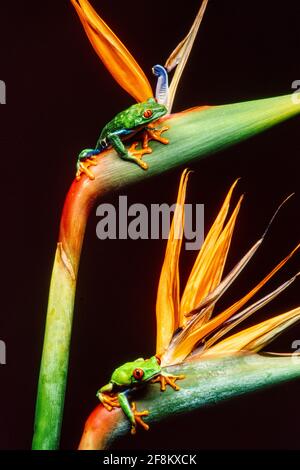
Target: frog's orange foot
point(83, 168)
point(108, 401)
point(138, 154)
point(152, 133)
point(138, 417)
point(165, 380)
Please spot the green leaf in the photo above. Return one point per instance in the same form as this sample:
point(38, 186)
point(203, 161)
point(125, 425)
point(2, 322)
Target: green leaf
point(207, 382)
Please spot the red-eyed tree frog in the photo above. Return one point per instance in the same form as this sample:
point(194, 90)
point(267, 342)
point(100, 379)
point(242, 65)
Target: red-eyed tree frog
point(123, 126)
point(129, 377)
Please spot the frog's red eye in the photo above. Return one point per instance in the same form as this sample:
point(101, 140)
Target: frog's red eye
point(148, 113)
point(138, 374)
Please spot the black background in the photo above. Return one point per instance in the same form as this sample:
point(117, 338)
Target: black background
point(59, 96)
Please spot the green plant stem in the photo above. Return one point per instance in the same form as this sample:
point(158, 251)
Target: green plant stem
point(193, 135)
point(207, 382)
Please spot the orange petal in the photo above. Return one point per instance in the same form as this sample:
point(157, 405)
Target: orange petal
point(196, 287)
point(190, 338)
point(217, 293)
point(222, 317)
point(116, 58)
point(167, 303)
point(256, 337)
point(244, 314)
point(214, 270)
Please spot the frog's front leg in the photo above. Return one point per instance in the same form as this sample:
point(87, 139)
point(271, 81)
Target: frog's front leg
point(166, 379)
point(85, 159)
point(131, 154)
point(153, 133)
point(135, 417)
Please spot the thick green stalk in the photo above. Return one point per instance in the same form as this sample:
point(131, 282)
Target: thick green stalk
point(207, 382)
point(193, 135)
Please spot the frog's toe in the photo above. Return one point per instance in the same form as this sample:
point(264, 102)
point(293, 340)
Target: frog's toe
point(166, 379)
point(154, 133)
point(143, 164)
point(138, 153)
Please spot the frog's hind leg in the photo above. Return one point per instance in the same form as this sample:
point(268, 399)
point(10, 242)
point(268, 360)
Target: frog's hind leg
point(138, 416)
point(135, 417)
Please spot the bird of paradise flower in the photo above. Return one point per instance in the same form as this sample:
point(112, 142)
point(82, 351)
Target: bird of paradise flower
point(193, 134)
point(186, 327)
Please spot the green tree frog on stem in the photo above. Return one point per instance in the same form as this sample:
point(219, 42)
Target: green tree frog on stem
point(131, 376)
point(123, 126)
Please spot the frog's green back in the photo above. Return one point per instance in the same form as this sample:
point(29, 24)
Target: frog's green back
point(125, 374)
point(135, 117)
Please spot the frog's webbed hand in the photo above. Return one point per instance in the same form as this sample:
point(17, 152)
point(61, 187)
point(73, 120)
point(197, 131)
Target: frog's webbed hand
point(153, 133)
point(85, 159)
point(167, 379)
point(109, 400)
point(132, 154)
point(135, 417)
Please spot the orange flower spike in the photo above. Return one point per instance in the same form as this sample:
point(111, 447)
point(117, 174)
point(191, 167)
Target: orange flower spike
point(115, 56)
point(242, 315)
point(256, 337)
point(212, 275)
point(218, 320)
point(186, 346)
point(193, 292)
point(167, 303)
